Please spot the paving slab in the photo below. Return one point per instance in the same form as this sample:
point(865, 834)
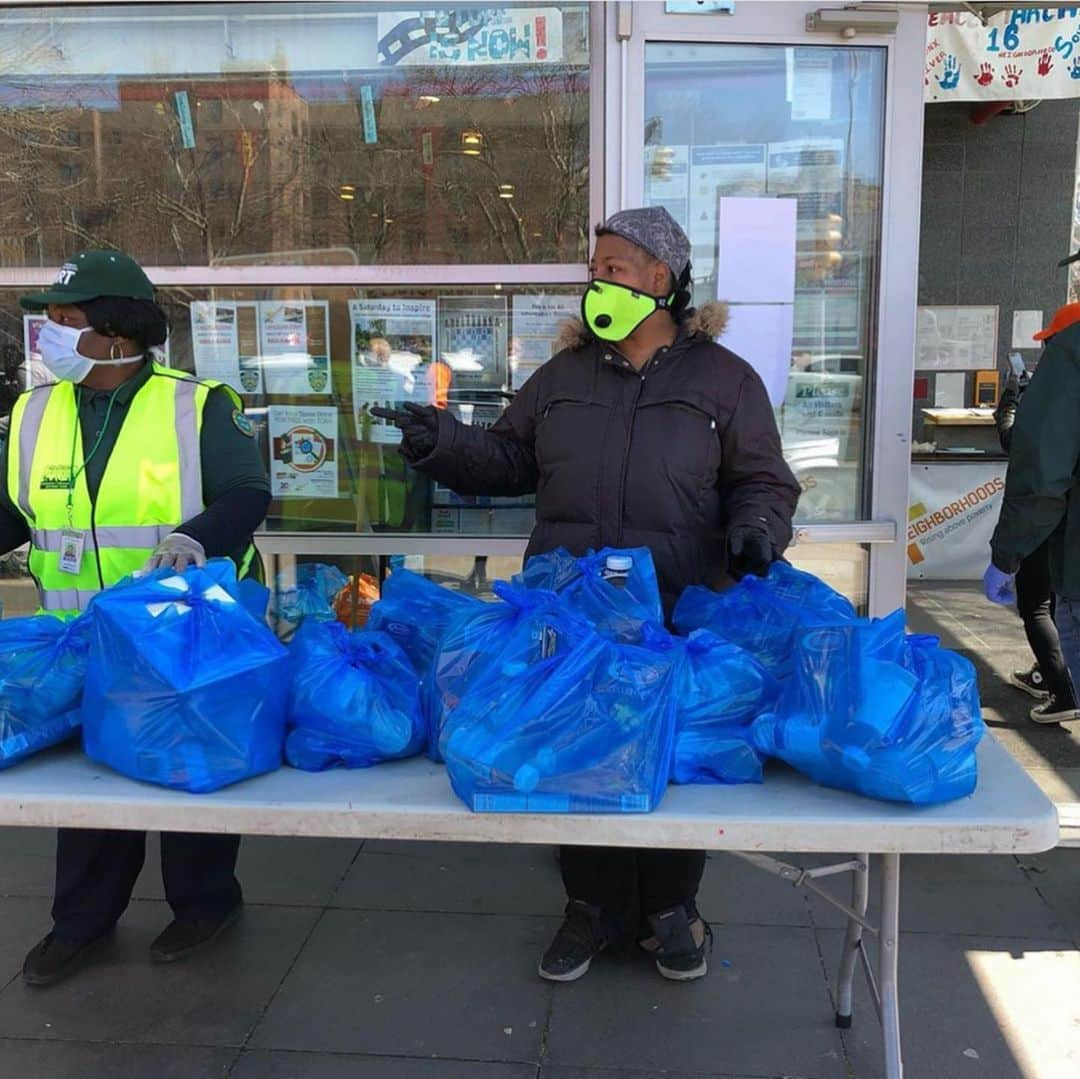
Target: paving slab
point(735, 893)
point(63, 1060)
point(441, 985)
point(558, 1072)
point(273, 870)
point(27, 861)
point(462, 878)
point(975, 1006)
point(1064, 901)
point(280, 1065)
point(23, 922)
point(959, 906)
point(213, 998)
point(764, 1009)
point(1058, 866)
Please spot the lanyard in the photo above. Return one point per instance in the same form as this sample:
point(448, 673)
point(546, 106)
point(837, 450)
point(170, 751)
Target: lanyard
point(72, 473)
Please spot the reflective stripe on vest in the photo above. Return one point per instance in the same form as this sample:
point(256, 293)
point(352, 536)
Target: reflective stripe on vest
point(151, 484)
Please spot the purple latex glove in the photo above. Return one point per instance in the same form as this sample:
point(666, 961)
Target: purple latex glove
point(999, 586)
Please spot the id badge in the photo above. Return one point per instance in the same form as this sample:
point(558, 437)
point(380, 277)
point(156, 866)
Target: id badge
point(71, 551)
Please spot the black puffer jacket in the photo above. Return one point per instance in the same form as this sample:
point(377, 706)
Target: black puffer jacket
point(667, 458)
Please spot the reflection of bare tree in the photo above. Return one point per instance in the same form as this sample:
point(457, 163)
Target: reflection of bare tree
point(280, 164)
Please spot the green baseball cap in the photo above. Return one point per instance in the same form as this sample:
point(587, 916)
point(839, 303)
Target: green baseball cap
point(91, 274)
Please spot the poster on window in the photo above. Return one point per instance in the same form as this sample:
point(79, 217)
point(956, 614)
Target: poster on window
point(303, 451)
point(225, 343)
point(35, 372)
point(472, 339)
point(952, 512)
point(536, 324)
point(294, 340)
point(715, 171)
point(470, 36)
point(392, 341)
point(1024, 54)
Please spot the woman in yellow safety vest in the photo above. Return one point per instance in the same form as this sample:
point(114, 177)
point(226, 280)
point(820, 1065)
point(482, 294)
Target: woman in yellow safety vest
point(118, 465)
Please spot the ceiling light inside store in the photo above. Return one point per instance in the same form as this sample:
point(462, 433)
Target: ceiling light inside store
point(471, 143)
point(506, 191)
point(429, 99)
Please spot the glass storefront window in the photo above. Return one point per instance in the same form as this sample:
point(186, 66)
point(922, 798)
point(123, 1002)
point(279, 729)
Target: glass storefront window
point(311, 363)
point(802, 123)
point(303, 134)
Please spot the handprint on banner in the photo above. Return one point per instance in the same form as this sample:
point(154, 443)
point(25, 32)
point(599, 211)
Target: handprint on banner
point(1012, 76)
point(1046, 63)
point(950, 75)
point(986, 75)
point(1074, 71)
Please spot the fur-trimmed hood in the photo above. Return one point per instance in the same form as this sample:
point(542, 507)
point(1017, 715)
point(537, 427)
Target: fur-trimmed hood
point(709, 320)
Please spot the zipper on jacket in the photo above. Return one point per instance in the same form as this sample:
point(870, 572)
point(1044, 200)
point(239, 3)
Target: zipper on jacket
point(626, 455)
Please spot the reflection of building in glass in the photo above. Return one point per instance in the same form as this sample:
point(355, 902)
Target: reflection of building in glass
point(282, 163)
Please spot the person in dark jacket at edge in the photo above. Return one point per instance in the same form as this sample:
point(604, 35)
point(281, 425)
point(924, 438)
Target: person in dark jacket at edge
point(640, 432)
point(1048, 680)
point(110, 436)
point(1042, 501)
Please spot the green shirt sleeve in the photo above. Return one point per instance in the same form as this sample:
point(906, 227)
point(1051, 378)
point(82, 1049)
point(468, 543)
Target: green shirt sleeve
point(230, 455)
point(1043, 455)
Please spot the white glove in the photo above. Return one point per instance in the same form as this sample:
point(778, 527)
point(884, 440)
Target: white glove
point(176, 551)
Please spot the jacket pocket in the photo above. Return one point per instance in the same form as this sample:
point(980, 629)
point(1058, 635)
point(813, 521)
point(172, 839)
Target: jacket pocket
point(569, 446)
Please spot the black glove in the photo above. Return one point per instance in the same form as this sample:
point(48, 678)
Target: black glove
point(419, 427)
point(749, 551)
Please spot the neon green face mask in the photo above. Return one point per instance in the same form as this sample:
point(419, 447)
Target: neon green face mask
point(612, 312)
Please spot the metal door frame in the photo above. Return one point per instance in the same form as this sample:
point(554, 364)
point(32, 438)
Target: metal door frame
point(628, 27)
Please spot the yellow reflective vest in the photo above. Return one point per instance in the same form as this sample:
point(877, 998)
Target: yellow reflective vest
point(151, 484)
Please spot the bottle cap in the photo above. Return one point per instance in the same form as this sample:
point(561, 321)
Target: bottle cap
point(618, 563)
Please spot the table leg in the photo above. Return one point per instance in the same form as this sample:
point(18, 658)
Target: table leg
point(888, 951)
point(860, 892)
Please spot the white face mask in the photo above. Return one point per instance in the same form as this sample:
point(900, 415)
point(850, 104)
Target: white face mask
point(59, 348)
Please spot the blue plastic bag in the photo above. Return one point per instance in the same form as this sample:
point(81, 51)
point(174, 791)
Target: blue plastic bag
point(184, 688)
point(720, 690)
point(763, 615)
point(42, 674)
point(354, 699)
point(616, 604)
point(312, 596)
point(872, 711)
point(566, 722)
point(416, 613)
point(473, 642)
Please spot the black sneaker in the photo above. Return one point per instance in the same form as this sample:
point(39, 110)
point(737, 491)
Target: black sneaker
point(53, 959)
point(579, 939)
point(179, 939)
point(678, 943)
point(1051, 711)
point(1031, 682)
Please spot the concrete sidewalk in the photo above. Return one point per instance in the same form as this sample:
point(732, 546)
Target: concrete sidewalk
point(417, 961)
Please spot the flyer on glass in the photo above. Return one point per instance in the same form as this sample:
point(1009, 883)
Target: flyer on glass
point(225, 343)
point(393, 342)
point(535, 326)
point(295, 346)
point(472, 339)
point(34, 371)
point(303, 451)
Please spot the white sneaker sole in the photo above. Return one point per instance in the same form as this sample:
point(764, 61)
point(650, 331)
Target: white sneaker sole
point(1038, 694)
point(683, 975)
point(1048, 718)
point(570, 976)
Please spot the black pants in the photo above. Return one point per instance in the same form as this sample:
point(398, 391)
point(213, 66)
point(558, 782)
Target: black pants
point(96, 871)
point(628, 885)
point(1035, 603)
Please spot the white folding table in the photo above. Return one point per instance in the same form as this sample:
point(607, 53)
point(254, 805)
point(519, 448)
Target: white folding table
point(412, 799)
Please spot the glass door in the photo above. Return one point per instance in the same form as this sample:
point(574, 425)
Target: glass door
point(769, 144)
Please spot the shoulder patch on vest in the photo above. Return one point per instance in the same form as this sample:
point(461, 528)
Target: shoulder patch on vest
point(242, 423)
